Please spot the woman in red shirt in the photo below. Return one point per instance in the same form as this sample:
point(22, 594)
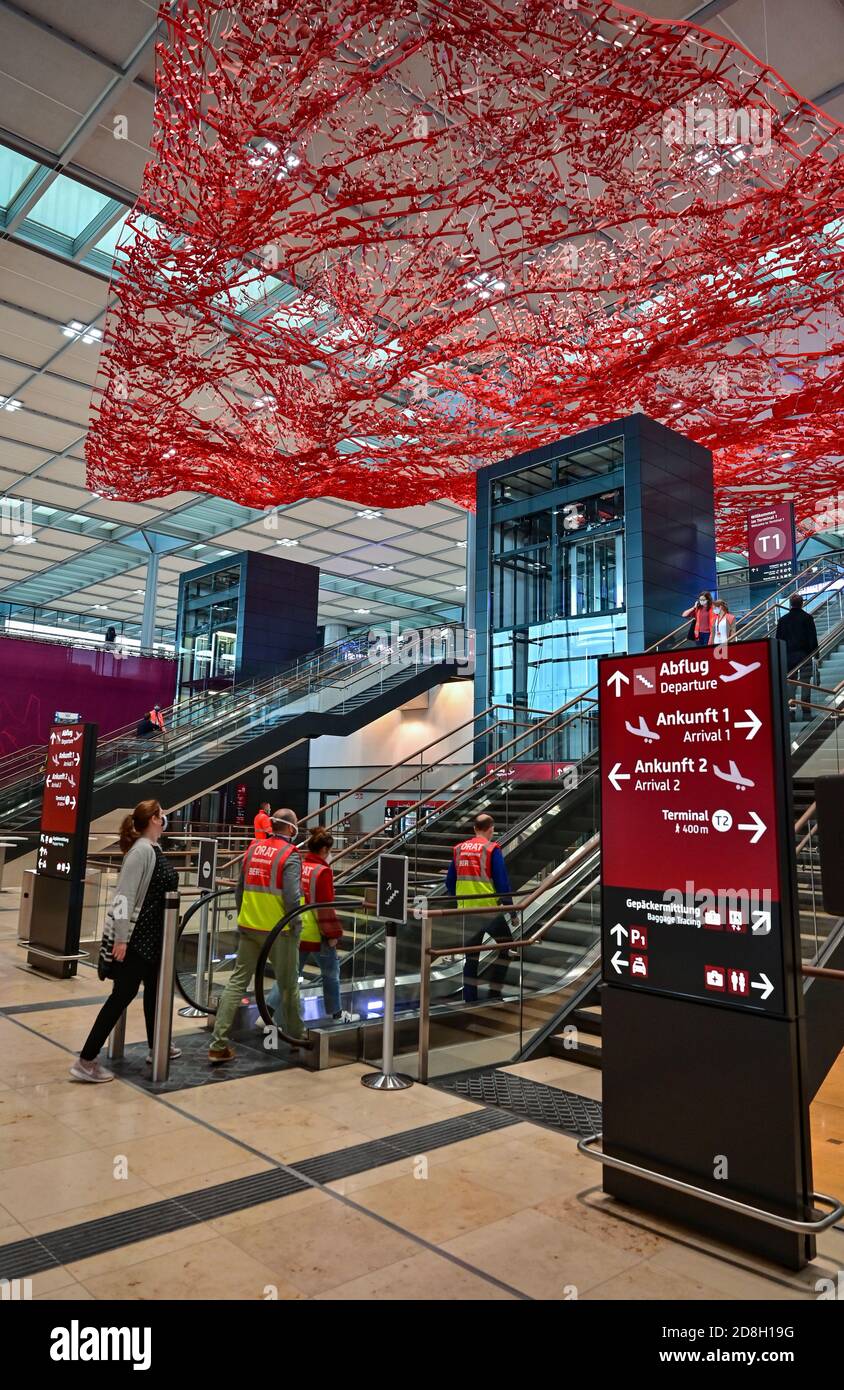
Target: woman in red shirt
point(702, 613)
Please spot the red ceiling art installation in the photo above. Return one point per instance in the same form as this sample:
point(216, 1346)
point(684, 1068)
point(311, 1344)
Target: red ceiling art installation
point(381, 243)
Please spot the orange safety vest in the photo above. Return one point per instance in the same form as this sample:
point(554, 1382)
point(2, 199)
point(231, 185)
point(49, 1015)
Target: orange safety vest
point(156, 717)
point(474, 875)
point(263, 826)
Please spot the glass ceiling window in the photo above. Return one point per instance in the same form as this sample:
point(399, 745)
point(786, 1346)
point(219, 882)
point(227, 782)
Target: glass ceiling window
point(15, 169)
point(68, 207)
point(107, 245)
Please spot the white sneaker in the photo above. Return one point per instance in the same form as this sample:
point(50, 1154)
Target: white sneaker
point(90, 1071)
point(174, 1053)
point(345, 1017)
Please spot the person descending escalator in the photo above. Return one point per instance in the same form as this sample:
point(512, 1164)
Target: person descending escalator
point(321, 929)
point(477, 877)
point(269, 887)
point(797, 630)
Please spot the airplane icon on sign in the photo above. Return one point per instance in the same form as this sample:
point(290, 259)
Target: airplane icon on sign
point(641, 730)
point(740, 670)
point(734, 776)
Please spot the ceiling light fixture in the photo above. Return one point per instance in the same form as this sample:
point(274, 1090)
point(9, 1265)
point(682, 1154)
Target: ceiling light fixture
point(286, 540)
point(363, 610)
point(10, 403)
point(86, 332)
point(368, 514)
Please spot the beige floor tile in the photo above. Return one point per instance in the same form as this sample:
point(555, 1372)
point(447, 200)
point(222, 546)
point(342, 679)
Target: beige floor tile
point(291, 1130)
point(525, 1174)
point(191, 1152)
point(18, 1105)
point(210, 1269)
point(377, 1113)
point(60, 1184)
point(72, 1292)
point(268, 1211)
point(604, 1219)
point(24, 1073)
point(356, 1182)
point(50, 1280)
point(645, 1283)
point(734, 1275)
point(478, 1144)
point(316, 1249)
point(91, 1211)
point(538, 1255)
point(426, 1277)
point(114, 1125)
point(440, 1206)
point(24, 1141)
point(246, 1168)
point(550, 1071)
point(140, 1251)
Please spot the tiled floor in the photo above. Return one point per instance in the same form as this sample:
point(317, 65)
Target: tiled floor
point(515, 1213)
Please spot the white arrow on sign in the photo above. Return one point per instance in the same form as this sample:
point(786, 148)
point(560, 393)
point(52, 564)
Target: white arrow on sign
point(618, 679)
point(752, 722)
point(617, 777)
point(622, 931)
point(758, 828)
point(763, 984)
point(762, 924)
point(618, 961)
point(391, 893)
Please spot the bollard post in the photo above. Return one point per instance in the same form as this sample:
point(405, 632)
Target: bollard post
point(387, 1079)
point(117, 1039)
point(164, 993)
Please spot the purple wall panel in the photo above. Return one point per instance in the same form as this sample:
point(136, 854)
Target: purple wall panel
point(38, 678)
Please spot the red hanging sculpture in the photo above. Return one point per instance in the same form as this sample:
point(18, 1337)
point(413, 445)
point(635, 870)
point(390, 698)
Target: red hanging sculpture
point(381, 243)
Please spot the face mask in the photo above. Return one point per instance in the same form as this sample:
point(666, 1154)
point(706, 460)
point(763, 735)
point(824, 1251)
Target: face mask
point(163, 822)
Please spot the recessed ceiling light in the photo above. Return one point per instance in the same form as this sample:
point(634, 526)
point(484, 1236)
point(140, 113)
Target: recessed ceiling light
point(86, 332)
point(363, 610)
point(9, 403)
point(367, 514)
point(382, 569)
point(461, 545)
point(286, 540)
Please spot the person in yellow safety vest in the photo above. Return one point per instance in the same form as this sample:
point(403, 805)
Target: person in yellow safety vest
point(270, 886)
point(477, 877)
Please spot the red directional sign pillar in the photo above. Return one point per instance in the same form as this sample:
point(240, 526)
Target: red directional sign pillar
point(700, 938)
point(59, 885)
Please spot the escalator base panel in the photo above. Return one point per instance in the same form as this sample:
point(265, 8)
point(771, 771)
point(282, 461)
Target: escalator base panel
point(531, 1100)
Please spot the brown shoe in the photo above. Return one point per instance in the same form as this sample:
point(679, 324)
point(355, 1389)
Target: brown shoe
point(216, 1055)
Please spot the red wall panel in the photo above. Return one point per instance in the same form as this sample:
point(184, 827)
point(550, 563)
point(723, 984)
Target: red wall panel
point(39, 678)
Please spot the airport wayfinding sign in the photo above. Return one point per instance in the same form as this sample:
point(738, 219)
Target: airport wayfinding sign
point(695, 882)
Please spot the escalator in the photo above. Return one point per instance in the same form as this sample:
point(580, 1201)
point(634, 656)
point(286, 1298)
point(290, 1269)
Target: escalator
point(212, 739)
point(549, 833)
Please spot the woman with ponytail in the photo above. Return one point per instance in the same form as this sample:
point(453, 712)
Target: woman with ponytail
point(135, 929)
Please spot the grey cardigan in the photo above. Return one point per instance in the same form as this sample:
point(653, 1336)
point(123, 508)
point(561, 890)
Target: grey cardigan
point(132, 884)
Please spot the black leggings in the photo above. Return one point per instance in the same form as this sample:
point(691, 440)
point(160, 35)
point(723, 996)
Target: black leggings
point(129, 975)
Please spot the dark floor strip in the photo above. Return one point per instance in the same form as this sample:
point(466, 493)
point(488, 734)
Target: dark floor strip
point(67, 1244)
point(529, 1100)
point(52, 1004)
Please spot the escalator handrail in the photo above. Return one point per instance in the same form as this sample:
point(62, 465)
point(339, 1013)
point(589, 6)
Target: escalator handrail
point(568, 865)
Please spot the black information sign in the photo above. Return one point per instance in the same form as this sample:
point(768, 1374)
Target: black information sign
point(206, 867)
point(392, 887)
